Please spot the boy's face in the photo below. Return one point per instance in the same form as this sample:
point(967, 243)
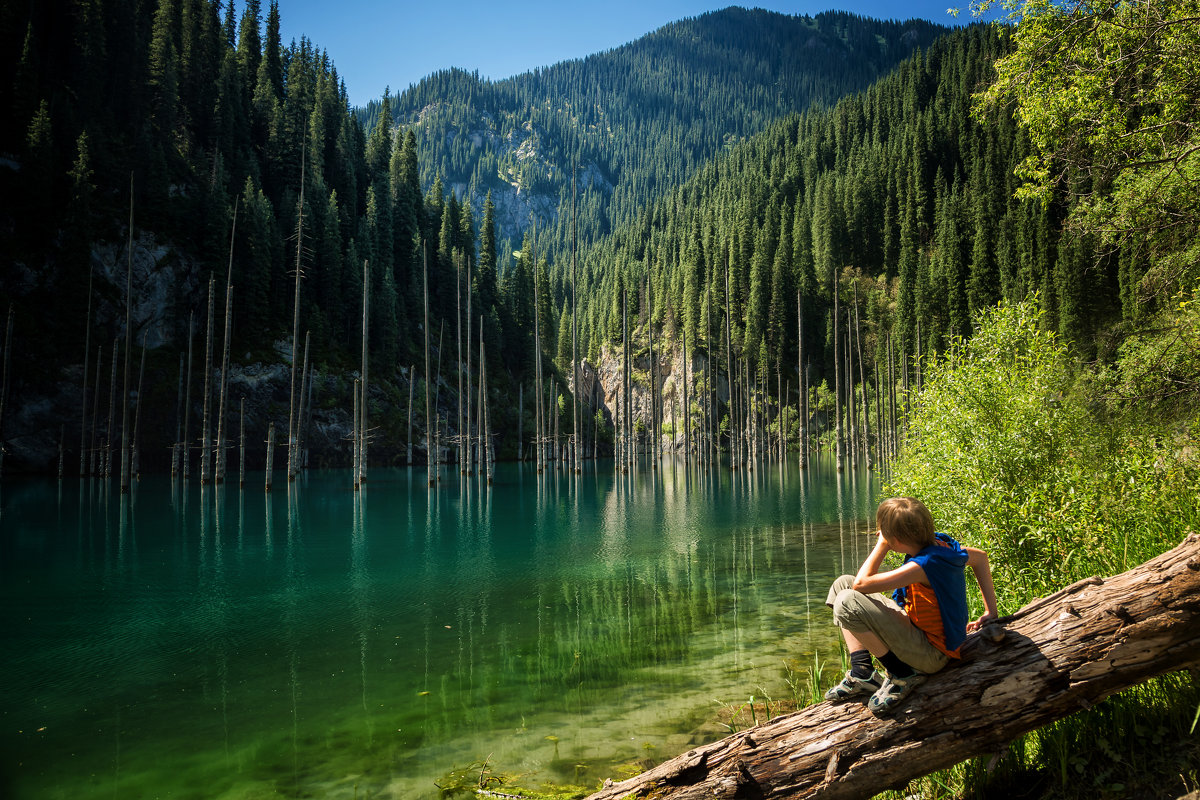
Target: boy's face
point(898, 545)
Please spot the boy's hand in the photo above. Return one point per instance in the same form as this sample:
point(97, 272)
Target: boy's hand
point(979, 623)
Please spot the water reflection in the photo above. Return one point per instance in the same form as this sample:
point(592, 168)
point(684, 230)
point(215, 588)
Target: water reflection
point(384, 636)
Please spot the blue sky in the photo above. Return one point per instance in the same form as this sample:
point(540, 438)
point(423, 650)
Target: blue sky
point(379, 44)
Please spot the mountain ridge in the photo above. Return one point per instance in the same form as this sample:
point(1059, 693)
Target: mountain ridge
point(642, 114)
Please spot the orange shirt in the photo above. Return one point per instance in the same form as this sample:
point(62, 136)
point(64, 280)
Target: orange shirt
point(923, 611)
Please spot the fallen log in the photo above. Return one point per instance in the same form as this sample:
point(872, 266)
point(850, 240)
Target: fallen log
point(1055, 656)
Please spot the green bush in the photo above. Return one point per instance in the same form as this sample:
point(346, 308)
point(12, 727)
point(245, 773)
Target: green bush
point(1010, 453)
point(1062, 472)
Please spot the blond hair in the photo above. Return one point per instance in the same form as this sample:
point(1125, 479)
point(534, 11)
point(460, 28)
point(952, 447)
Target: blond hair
point(905, 519)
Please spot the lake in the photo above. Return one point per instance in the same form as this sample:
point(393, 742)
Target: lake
point(213, 642)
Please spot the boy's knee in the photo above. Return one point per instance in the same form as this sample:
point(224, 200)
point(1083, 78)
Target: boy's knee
point(840, 585)
point(847, 608)
point(844, 582)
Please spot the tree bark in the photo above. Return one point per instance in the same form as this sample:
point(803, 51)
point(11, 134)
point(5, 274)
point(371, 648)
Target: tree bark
point(1057, 655)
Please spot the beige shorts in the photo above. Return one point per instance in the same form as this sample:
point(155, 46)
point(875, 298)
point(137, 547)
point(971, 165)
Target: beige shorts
point(877, 614)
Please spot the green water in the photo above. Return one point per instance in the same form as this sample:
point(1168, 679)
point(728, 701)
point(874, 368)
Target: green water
point(201, 642)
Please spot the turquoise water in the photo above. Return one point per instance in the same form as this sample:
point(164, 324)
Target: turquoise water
point(211, 642)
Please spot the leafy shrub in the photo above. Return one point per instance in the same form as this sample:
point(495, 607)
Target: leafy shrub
point(1010, 454)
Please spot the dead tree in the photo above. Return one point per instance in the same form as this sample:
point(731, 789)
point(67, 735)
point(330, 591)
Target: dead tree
point(1055, 656)
point(128, 349)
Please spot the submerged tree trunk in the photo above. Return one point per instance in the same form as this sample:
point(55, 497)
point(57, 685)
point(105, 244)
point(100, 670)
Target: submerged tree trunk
point(428, 420)
point(366, 322)
point(87, 348)
point(185, 442)
point(837, 378)
point(128, 349)
point(205, 450)
point(134, 467)
point(1056, 656)
point(4, 379)
point(220, 475)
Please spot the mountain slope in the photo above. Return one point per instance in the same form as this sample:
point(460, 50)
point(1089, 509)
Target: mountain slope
point(641, 118)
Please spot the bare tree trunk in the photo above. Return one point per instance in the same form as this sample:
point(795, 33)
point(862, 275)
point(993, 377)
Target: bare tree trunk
point(225, 353)
point(918, 362)
point(177, 446)
point(851, 397)
point(709, 384)
point(880, 455)
point(93, 450)
point(687, 410)
point(270, 455)
point(733, 451)
point(87, 355)
point(366, 386)
point(470, 421)
point(837, 377)
point(292, 453)
point(242, 455)
point(437, 403)
point(135, 467)
point(128, 348)
point(578, 465)
point(539, 413)
point(862, 382)
point(802, 398)
point(484, 410)
point(205, 449)
point(186, 441)
point(356, 436)
point(8, 327)
point(301, 460)
point(412, 382)
point(462, 432)
point(1053, 657)
point(112, 403)
point(428, 410)
point(655, 431)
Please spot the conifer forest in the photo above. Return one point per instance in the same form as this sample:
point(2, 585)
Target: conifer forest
point(797, 226)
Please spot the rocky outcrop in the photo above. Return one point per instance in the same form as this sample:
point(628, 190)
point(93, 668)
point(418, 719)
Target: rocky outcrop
point(604, 383)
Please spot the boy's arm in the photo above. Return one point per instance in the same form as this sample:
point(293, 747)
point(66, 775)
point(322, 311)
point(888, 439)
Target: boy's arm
point(870, 579)
point(978, 561)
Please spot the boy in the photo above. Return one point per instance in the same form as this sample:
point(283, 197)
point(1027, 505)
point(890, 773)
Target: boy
point(918, 631)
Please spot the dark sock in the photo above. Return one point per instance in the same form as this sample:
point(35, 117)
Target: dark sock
point(895, 667)
point(860, 664)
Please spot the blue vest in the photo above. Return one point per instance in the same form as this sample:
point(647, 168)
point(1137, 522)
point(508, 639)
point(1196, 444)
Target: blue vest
point(943, 567)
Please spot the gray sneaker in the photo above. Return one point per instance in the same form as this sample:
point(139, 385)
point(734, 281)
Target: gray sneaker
point(893, 692)
point(855, 687)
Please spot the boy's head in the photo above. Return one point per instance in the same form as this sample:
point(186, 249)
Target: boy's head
point(905, 520)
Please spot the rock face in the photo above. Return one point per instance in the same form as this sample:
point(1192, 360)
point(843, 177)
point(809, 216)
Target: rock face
point(604, 383)
point(515, 201)
point(163, 282)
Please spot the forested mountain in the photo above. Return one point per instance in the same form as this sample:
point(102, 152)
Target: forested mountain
point(637, 120)
point(183, 115)
point(231, 153)
point(897, 196)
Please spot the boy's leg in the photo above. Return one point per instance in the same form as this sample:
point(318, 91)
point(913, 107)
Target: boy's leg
point(874, 622)
point(862, 679)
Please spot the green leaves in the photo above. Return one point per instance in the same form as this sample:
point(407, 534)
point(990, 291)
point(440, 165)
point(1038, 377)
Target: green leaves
point(1011, 451)
point(1110, 92)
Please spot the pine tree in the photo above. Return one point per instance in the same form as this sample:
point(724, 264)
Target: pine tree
point(487, 258)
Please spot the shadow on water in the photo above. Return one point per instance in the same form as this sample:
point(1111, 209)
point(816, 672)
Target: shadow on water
point(190, 640)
